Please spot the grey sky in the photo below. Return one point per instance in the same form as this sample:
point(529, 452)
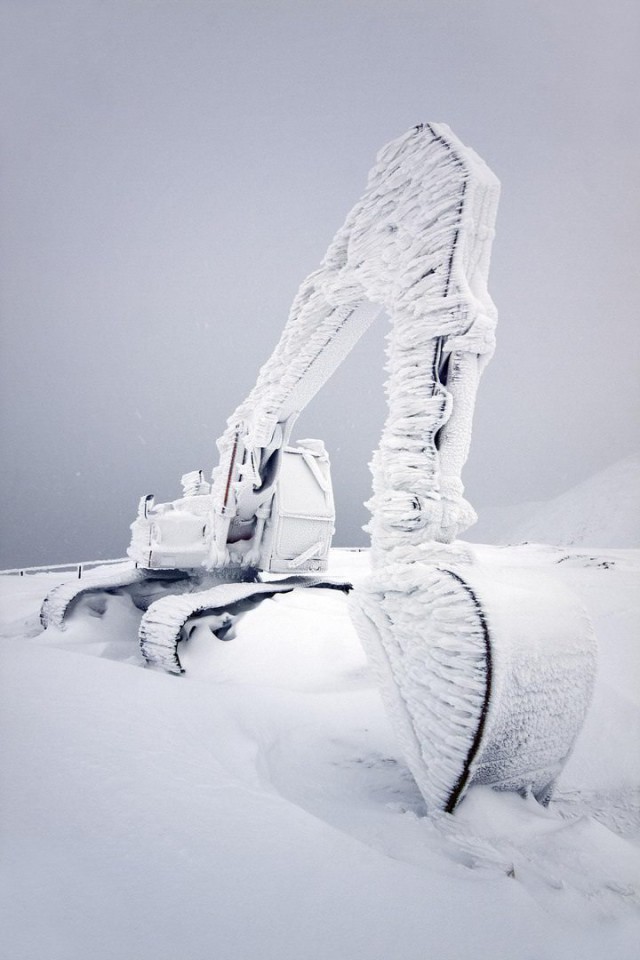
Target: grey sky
point(171, 171)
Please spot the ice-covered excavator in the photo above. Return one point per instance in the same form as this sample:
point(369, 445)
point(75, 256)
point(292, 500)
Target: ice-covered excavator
point(486, 669)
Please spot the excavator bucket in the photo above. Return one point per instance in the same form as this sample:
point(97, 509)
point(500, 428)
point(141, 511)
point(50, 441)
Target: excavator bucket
point(486, 671)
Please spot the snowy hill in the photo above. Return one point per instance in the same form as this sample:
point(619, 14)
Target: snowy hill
point(603, 511)
point(259, 807)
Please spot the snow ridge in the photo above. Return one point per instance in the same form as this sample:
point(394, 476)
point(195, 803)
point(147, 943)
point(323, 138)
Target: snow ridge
point(602, 511)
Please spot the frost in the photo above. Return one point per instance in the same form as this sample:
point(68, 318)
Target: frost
point(417, 245)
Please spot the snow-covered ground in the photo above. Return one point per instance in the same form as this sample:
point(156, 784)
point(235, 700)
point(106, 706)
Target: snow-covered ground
point(603, 510)
point(258, 806)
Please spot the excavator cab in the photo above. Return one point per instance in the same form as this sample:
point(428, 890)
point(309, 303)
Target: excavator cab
point(299, 521)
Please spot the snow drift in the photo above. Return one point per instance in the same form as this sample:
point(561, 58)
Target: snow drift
point(259, 806)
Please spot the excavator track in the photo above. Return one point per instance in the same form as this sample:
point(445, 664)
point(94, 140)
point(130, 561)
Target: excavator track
point(59, 601)
point(163, 625)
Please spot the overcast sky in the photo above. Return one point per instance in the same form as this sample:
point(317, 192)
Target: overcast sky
point(171, 171)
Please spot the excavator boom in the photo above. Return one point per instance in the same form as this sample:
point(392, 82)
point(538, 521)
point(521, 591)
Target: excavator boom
point(415, 246)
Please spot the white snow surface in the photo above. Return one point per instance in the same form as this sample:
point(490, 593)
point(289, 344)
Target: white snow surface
point(603, 510)
point(259, 806)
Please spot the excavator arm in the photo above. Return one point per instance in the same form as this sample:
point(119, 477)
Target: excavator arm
point(416, 246)
point(486, 673)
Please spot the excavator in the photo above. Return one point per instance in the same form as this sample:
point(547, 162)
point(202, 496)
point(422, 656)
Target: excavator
point(486, 667)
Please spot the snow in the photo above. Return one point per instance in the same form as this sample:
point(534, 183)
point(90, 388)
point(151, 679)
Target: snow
point(259, 806)
point(487, 670)
point(603, 510)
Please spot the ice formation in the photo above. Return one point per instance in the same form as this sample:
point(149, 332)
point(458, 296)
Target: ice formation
point(478, 691)
point(416, 245)
point(486, 673)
